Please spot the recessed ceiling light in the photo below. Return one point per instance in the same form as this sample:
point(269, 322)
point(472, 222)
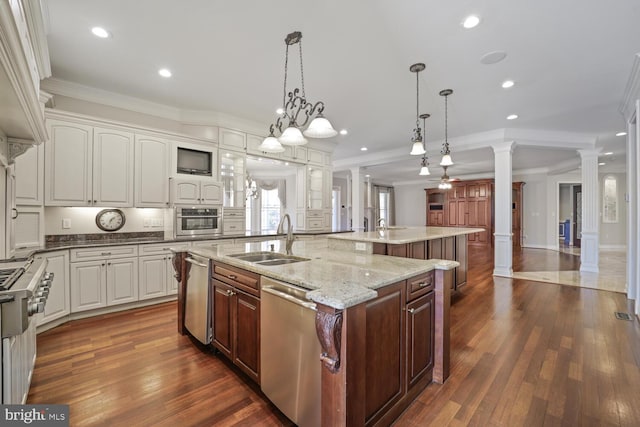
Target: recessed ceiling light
point(621, 134)
point(100, 32)
point(601, 164)
point(471, 21)
point(279, 111)
point(363, 149)
point(608, 153)
point(367, 176)
point(164, 72)
point(493, 57)
point(343, 132)
point(512, 116)
point(286, 163)
point(507, 84)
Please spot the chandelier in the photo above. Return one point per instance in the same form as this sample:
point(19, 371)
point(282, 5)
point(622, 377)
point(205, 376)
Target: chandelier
point(424, 165)
point(445, 183)
point(446, 153)
point(296, 112)
point(417, 148)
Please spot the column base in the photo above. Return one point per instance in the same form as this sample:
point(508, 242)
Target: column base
point(503, 256)
point(589, 252)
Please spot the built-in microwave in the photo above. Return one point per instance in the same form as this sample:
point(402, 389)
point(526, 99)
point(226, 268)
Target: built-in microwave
point(198, 220)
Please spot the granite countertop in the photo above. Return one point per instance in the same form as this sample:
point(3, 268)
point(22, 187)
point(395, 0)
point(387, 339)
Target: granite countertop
point(339, 279)
point(400, 235)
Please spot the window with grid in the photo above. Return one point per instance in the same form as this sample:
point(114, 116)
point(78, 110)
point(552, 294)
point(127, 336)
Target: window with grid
point(269, 210)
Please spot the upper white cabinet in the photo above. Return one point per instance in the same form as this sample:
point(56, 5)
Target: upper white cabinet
point(152, 171)
point(253, 145)
point(196, 192)
point(87, 166)
point(295, 153)
point(232, 176)
point(29, 171)
point(232, 139)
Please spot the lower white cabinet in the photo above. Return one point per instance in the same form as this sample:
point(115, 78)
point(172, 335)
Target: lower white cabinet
point(57, 305)
point(156, 277)
point(100, 283)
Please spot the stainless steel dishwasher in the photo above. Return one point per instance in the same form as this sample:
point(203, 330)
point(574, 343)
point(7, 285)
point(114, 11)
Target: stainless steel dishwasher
point(289, 352)
point(197, 310)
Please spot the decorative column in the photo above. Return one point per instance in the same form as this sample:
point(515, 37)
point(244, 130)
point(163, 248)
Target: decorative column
point(357, 200)
point(589, 240)
point(503, 255)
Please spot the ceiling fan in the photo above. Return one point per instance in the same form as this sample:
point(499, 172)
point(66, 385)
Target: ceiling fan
point(445, 180)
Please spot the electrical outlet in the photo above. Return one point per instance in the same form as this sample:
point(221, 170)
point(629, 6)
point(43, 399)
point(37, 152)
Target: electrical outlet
point(66, 223)
point(361, 246)
point(146, 222)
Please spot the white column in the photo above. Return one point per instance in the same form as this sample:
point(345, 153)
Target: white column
point(503, 256)
point(357, 200)
point(589, 240)
point(631, 200)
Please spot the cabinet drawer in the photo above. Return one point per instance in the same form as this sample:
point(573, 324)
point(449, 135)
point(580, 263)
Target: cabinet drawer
point(314, 214)
point(241, 279)
point(315, 223)
point(161, 248)
point(420, 285)
point(104, 252)
point(233, 226)
point(233, 213)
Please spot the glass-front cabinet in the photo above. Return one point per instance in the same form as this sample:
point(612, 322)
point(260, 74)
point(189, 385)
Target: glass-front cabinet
point(232, 176)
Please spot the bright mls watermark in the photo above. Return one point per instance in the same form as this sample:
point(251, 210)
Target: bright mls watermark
point(34, 415)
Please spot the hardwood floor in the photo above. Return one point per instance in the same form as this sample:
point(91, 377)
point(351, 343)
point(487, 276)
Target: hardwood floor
point(523, 354)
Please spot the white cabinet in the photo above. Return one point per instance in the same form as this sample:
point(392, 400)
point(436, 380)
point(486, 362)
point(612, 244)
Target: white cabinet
point(87, 166)
point(29, 227)
point(232, 176)
point(152, 159)
point(232, 139)
point(295, 153)
point(29, 171)
point(196, 192)
point(253, 146)
point(156, 275)
point(313, 198)
point(233, 221)
point(57, 305)
point(107, 277)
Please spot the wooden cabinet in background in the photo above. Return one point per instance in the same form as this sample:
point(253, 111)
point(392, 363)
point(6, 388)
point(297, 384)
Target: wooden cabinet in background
point(435, 206)
point(516, 213)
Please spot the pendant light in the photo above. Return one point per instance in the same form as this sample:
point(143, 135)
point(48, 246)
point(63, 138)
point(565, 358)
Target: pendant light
point(446, 153)
point(296, 111)
point(424, 169)
point(417, 148)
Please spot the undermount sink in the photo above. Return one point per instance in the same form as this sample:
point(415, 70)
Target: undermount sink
point(269, 258)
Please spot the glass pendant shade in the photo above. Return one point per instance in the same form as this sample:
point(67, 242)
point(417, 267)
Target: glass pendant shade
point(417, 149)
point(446, 160)
point(271, 145)
point(292, 136)
point(320, 128)
point(424, 170)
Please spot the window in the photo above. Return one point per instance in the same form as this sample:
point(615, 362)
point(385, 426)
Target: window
point(269, 210)
point(610, 200)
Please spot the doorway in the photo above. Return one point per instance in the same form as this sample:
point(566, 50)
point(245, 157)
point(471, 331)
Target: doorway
point(577, 215)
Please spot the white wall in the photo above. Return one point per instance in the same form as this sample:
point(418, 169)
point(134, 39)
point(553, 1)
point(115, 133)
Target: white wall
point(342, 183)
point(566, 211)
point(83, 220)
point(411, 205)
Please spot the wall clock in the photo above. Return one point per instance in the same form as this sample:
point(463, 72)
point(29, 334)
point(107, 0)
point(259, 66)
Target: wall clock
point(110, 219)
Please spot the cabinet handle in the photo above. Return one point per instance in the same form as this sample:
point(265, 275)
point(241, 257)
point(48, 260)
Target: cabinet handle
point(105, 253)
point(411, 310)
point(422, 284)
point(233, 276)
point(230, 293)
point(108, 263)
point(15, 211)
point(102, 264)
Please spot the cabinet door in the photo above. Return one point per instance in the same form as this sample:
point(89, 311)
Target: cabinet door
point(187, 192)
point(222, 317)
point(29, 171)
point(68, 164)
point(122, 281)
point(151, 172)
point(315, 157)
point(420, 334)
point(253, 146)
point(29, 227)
point(385, 350)
point(247, 333)
point(211, 193)
point(232, 139)
point(172, 282)
point(58, 300)
point(113, 152)
point(294, 153)
point(153, 277)
point(88, 285)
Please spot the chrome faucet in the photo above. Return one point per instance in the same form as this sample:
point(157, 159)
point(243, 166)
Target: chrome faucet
point(382, 223)
point(289, 241)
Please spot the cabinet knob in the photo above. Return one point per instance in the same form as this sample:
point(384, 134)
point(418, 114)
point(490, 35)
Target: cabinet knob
point(233, 276)
point(411, 310)
point(95, 201)
point(89, 201)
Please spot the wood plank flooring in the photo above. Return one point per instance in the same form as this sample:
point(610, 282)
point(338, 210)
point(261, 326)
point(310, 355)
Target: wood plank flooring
point(523, 354)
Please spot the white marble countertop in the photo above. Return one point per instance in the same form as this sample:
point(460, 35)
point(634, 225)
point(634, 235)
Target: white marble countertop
point(400, 234)
point(339, 279)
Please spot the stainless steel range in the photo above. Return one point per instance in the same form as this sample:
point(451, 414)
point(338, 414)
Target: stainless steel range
point(24, 288)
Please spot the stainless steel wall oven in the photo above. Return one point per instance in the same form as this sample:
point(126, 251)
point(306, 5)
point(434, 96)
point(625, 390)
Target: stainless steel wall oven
point(198, 220)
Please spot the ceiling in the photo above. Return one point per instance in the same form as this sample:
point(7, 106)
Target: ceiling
point(570, 61)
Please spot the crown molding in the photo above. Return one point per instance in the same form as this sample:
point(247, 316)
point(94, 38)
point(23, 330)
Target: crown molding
point(632, 91)
point(37, 21)
point(551, 139)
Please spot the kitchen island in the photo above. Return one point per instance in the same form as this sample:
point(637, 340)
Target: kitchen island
point(413, 242)
point(382, 322)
